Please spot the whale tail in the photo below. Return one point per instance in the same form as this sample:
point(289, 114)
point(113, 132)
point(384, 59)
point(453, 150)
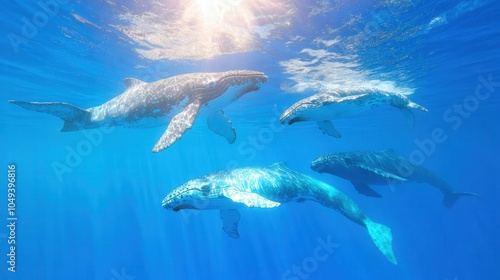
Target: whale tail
point(74, 118)
point(452, 197)
point(382, 237)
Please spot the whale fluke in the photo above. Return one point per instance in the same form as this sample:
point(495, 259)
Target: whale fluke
point(452, 197)
point(74, 117)
point(382, 237)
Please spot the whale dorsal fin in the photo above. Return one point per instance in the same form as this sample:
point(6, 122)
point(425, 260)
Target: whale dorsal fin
point(130, 82)
point(279, 164)
point(230, 219)
point(249, 199)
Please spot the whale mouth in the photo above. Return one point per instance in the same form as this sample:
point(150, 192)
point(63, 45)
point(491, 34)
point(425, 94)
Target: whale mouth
point(177, 197)
point(296, 119)
point(182, 207)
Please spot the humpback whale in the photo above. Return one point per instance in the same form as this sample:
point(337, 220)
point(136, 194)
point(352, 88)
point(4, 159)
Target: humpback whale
point(175, 101)
point(364, 168)
point(269, 187)
point(323, 107)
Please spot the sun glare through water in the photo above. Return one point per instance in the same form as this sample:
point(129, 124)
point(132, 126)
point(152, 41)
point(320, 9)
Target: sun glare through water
point(201, 29)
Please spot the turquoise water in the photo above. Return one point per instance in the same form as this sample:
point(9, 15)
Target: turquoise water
point(88, 204)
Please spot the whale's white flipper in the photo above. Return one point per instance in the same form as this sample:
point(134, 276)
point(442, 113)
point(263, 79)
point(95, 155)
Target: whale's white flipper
point(381, 172)
point(230, 219)
point(220, 124)
point(249, 199)
point(382, 237)
point(328, 128)
point(72, 115)
point(179, 124)
point(416, 106)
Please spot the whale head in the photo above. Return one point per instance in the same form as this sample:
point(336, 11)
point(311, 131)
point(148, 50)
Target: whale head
point(222, 88)
point(336, 163)
point(193, 194)
point(304, 110)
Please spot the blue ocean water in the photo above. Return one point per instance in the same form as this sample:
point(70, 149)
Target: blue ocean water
point(88, 203)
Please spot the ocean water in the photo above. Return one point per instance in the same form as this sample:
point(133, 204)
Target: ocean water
point(88, 203)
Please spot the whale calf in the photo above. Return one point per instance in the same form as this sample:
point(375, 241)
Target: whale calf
point(269, 187)
point(364, 168)
point(174, 102)
point(323, 107)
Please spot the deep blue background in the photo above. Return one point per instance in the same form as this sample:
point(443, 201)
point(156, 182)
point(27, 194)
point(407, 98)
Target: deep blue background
point(104, 219)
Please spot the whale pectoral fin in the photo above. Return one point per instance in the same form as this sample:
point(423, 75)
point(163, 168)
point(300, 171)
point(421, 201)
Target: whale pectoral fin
point(249, 199)
point(382, 237)
point(220, 124)
point(328, 128)
point(176, 128)
point(230, 219)
point(414, 105)
point(409, 116)
point(365, 189)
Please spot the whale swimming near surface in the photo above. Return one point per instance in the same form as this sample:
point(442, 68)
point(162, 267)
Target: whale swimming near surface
point(323, 107)
point(176, 101)
point(364, 168)
point(269, 187)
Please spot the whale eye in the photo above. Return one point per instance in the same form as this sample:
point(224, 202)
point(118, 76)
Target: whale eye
point(205, 189)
